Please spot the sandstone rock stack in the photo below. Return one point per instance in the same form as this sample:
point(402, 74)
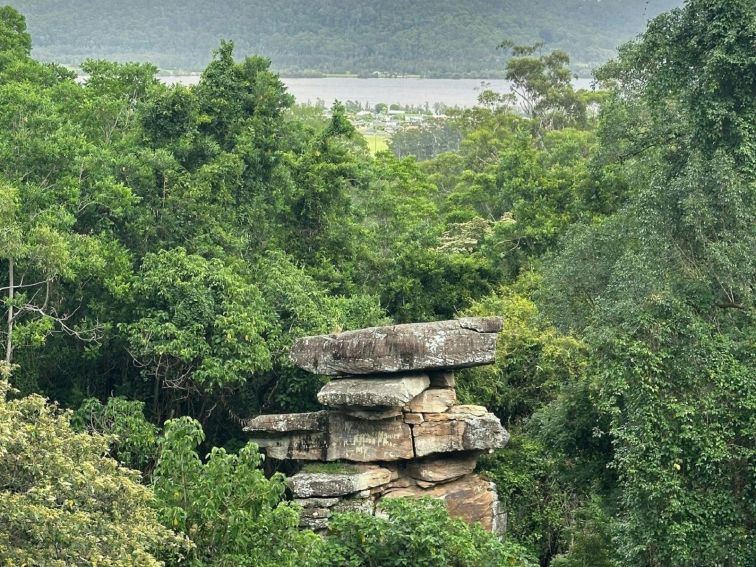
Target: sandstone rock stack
point(393, 426)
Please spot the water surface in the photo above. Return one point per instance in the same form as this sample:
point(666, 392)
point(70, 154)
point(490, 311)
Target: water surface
point(415, 92)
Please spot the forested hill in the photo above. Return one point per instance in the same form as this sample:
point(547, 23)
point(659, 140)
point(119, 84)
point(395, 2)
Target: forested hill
point(425, 37)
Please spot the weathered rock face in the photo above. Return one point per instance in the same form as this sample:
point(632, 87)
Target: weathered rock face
point(432, 401)
point(283, 423)
point(316, 511)
point(294, 446)
point(477, 411)
point(442, 469)
point(438, 437)
point(372, 392)
point(315, 518)
point(484, 433)
point(448, 432)
point(354, 439)
point(394, 428)
point(400, 348)
point(351, 480)
point(372, 414)
point(341, 437)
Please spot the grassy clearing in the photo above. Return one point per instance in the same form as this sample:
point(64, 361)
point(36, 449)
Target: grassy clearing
point(376, 142)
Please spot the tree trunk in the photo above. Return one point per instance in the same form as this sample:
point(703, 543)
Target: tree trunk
point(9, 343)
point(156, 399)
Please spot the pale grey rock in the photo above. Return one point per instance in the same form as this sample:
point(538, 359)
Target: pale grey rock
point(483, 433)
point(315, 512)
point(309, 516)
point(482, 324)
point(372, 392)
point(400, 348)
point(314, 524)
point(286, 422)
point(457, 412)
point(362, 505)
point(500, 518)
point(306, 446)
point(460, 432)
point(315, 502)
point(353, 478)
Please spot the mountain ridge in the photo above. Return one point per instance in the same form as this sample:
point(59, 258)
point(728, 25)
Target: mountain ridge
point(435, 38)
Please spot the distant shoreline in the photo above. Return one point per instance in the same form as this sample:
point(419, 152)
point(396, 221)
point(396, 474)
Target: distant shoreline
point(494, 77)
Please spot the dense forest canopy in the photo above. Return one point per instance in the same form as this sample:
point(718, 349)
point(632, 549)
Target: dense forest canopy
point(161, 247)
point(426, 37)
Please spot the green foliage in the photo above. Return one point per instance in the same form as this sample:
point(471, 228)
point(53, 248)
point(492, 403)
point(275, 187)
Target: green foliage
point(133, 438)
point(591, 541)
point(233, 94)
point(529, 185)
point(704, 85)
point(232, 513)
point(662, 291)
point(199, 324)
point(302, 306)
point(543, 86)
point(14, 39)
point(534, 360)
point(538, 501)
point(63, 503)
point(426, 140)
point(414, 532)
point(169, 114)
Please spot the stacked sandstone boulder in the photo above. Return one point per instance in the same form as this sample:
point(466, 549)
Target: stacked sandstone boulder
point(393, 426)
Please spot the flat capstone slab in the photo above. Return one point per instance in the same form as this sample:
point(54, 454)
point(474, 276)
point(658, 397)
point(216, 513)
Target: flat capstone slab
point(441, 345)
point(372, 392)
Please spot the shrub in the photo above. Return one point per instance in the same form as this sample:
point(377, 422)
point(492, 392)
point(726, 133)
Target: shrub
point(64, 502)
point(416, 533)
point(226, 506)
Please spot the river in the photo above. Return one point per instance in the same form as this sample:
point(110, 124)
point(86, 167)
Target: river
point(415, 92)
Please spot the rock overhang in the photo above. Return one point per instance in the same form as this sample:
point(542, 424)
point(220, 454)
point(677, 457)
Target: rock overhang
point(411, 347)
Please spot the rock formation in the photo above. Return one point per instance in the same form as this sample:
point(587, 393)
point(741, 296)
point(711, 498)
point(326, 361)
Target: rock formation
point(393, 427)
